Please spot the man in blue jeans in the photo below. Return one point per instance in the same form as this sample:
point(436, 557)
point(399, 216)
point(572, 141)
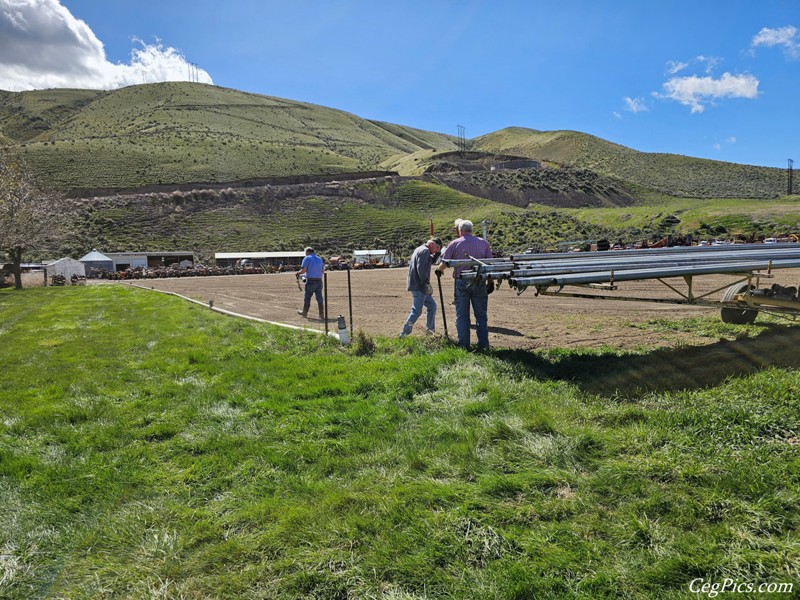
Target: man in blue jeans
point(469, 292)
point(418, 283)
point(312, 266)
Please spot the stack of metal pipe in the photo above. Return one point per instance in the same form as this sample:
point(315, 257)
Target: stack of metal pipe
point(581, 268)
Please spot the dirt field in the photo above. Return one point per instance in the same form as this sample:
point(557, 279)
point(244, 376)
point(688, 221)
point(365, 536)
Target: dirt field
point(381, 305)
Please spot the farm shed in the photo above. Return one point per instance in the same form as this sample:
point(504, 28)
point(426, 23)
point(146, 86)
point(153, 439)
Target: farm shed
point(274, 258)
point(372, 257)
point(66, 267)
point(95, 261)
point(132, 260)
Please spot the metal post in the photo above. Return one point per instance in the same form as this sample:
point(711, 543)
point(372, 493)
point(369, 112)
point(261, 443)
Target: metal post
point(441, 301)
point(350, 300)
point(325, 294)
point(485, 222)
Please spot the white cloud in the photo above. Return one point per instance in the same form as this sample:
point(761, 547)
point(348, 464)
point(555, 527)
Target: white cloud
point(784, 36)
point(42, 45)
point(616, 115)
point(635, 105)
point(673, 67)
point(710, 62)
point(728, 140)
point(695, 91)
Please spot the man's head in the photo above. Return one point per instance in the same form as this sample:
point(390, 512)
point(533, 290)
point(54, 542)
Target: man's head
point(457, 226)
point(434, 245)
point(466, 226)
point(309, 250)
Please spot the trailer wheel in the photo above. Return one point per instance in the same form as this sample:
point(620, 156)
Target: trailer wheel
point(737, 316)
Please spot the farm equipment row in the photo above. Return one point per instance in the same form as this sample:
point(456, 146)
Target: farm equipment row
point(57, 280)
point(165, 272)
point(602, 272)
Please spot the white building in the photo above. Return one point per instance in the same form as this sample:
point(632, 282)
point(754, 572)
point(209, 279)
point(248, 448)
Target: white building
point(275, 258)
point(371, 257)
point(66, 267)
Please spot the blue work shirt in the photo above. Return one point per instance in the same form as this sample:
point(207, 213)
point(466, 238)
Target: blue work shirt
point(313, 265)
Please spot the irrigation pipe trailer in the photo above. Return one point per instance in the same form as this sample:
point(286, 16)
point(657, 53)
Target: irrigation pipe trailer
point(743, 298)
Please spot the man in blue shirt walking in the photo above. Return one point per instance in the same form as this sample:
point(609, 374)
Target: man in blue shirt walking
point(312, 266)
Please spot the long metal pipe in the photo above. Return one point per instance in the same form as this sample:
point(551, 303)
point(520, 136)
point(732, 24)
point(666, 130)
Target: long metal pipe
point(590, 268)
point(671, 250)
point(675, 262)
point(652, 273)
point(701, 252)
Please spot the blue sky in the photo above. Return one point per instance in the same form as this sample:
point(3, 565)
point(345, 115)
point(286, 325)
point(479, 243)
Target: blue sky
point(711, 79)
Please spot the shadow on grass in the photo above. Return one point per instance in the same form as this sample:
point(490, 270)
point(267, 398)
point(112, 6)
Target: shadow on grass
point(667, 369)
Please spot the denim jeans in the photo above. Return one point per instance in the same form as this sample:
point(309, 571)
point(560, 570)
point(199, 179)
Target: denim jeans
point(476, 296)
point(313, 288)
point(421, 299)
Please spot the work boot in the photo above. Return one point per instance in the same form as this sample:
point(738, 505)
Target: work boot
point(304, 312)
point(321, 313)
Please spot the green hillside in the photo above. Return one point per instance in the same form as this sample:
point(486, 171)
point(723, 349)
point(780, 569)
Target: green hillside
point(173, 133)
point(206, 139)
point(336, 219)
point(177, 133)
point(392, 213)
point(26, 115)
point(671, 174)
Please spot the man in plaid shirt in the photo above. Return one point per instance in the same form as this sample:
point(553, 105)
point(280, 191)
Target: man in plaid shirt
point(471, 292)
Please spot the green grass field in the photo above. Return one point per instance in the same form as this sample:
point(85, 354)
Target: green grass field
point(151, 448)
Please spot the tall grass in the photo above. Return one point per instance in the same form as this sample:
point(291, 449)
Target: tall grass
point(150, 448)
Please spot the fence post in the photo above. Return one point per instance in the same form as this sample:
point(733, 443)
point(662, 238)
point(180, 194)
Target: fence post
point(325, 293)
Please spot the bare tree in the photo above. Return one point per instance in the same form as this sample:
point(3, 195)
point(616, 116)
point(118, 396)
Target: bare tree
point(27, 218)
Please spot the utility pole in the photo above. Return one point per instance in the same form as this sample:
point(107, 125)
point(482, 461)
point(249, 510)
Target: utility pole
point(789, 187)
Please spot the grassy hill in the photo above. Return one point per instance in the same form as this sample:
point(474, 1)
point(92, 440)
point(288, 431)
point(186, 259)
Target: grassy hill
point(184, 132)
point(201, 138)
point(173, 133)
point(336, 219)
point(671, 174)
point(395, 213)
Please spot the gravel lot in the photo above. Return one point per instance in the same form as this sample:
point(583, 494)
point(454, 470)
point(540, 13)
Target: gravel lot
point(381, 304)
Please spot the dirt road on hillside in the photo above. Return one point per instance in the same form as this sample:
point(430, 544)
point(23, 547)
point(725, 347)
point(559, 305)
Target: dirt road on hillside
point(381, 304)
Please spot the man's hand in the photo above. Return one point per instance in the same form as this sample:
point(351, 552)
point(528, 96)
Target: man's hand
point(428, 289)
point(438, 273)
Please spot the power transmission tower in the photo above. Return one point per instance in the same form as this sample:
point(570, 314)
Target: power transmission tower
point(462, 139)
point(789, 188)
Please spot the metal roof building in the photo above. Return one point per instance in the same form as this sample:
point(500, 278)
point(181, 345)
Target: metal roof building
point(97, 261)
point(276, 257)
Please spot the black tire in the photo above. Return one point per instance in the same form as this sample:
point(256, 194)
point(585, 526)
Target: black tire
point(737, 316)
